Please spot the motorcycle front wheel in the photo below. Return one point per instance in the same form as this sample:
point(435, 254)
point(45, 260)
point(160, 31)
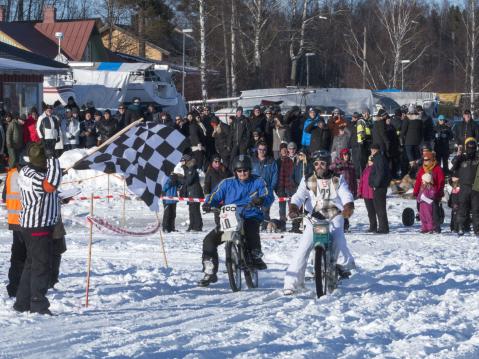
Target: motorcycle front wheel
point(233, 265)
point(320, 271)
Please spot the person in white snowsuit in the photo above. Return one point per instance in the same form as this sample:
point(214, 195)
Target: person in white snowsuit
point(324, 196)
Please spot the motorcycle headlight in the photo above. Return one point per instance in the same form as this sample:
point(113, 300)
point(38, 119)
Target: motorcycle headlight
point(321, 229)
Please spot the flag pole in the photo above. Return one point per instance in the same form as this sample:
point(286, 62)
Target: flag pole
point(106, 143)
point(89, 253)
point(161, 241)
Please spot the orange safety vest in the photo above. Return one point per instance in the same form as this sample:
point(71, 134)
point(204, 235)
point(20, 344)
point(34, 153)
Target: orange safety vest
point(14, 204)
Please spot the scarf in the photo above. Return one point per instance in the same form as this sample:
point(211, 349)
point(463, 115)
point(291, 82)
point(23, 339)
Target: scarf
point(429, 167)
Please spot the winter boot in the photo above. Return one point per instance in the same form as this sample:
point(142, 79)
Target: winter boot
point(207, 280)
point(209, 269)
point(343, 273)
point(256, 261)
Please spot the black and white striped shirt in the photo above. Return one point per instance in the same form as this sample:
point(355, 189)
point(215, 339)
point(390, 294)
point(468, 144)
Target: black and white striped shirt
point(40, 203)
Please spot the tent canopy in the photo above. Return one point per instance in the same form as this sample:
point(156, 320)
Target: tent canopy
point(10, 67)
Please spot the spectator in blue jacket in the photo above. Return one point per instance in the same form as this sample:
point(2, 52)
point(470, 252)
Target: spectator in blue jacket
point(306, 137)
point(170, 189)
point(266, 168)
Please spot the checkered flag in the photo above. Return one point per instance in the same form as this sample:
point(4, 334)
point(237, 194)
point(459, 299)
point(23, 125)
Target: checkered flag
point(143, 154)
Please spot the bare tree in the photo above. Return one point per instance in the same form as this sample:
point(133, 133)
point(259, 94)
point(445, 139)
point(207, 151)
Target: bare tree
point(469, 18)
point(226, 55)
point(400, 20)
point(260, 11)
point(202, 15)
point(297, 37)
point(234, 85)
point(358, 54)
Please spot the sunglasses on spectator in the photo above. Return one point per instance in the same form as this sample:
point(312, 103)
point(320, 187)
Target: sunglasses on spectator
point(262, 149)
point(320, 163)
point(242, 170)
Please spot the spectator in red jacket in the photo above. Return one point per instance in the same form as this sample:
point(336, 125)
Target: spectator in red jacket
point(366, 192)
point(431, 166)
point(343, 166)
point(30, 133)
point(286, 186)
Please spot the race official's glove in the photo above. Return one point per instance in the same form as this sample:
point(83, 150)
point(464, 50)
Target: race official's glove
point(348, 210)
point(206, 207)
point(293, 211)
point(257, 201)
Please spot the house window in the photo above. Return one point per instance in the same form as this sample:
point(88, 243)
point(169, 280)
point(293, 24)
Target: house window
point(20, 96)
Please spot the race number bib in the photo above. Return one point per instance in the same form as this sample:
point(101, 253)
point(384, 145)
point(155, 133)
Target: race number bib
point(324, 192)
point(228, 220)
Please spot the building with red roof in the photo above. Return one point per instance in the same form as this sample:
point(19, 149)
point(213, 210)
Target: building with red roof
point(81, 40)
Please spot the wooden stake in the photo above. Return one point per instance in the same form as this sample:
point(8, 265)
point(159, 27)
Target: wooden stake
point(108, 189)
point(123, 209)
point(162, 242)
point(89, 253)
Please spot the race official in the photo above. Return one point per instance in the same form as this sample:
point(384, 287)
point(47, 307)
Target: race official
point(38, 181)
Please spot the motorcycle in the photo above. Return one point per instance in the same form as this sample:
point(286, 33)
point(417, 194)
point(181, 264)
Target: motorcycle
point(237, 254)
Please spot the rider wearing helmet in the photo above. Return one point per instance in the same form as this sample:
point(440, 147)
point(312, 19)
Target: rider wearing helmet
point(249, 193)
point(324, 196)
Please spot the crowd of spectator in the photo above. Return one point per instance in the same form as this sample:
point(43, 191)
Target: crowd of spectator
point(367, 150)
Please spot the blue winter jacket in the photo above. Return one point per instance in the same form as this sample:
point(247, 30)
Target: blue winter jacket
point(306, 138)
point(170, 190)
point(268, 170)
point(233, 191)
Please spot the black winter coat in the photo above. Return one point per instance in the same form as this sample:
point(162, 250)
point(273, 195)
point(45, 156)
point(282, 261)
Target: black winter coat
point(353, 140)
point(320, 137)
point(191, 183)
point(107, 128)
point(257, 123)
point(443, 135)
point(380, 137)
point(394, 143)
point(465, 168)
point(133, 113)
point(411, 131)
point(379, 176)
point(427, 128)
point(120, 120)
point(197, 135)
point(464, 130)
point(240, 136)
point(214, 177)
point(222, 139)
point(295, 122)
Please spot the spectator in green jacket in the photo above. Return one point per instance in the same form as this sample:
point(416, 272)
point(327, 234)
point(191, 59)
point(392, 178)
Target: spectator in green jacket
point(14, 137)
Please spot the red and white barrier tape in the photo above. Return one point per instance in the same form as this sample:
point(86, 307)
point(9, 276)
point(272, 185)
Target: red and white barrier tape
point(168, 198)
point(191, 199)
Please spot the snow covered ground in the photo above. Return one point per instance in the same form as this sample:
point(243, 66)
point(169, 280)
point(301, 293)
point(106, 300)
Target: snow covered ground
point(412, 295)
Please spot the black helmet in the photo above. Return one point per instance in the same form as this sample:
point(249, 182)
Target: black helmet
point(321, 155)
point(242, 162)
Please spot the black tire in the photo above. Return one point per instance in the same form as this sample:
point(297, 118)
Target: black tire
point(332, 275)
point(320, 271)
point(408, 217)
point(251, 278)
point(233, 266)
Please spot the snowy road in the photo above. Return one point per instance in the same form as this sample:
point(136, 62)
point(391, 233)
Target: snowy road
point(413, 295)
